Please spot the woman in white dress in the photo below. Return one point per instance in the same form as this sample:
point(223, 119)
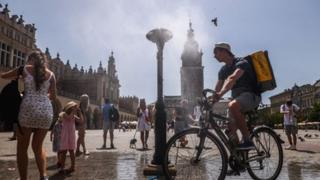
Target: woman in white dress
point(36, 112)
point(144, 124)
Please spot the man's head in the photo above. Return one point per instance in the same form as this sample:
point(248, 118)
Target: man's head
point(289, 102)
point(106, 100)
point(222, 52)
point(143, 104)
point(184, 103)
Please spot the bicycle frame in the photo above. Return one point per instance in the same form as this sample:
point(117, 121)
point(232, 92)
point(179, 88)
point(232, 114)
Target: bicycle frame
point(204, 128)
point(222, 136)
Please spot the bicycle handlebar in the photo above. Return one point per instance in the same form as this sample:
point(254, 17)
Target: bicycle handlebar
point(205, 102)
point(205, 91)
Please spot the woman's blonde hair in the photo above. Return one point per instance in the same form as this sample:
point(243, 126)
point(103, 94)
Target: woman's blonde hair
point(39, 67)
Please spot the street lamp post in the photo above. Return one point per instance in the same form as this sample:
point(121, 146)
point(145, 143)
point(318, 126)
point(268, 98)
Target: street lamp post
point(159, 36)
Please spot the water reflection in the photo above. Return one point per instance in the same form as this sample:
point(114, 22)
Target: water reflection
point(303, 170)
point(126, 166)
point(294, 171)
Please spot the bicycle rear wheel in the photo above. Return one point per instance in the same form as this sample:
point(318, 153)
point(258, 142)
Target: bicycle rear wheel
point(210, 164)
point(267, 144)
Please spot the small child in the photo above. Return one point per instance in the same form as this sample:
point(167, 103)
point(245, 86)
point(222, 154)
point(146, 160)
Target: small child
point(68, 133)
point(55, 138)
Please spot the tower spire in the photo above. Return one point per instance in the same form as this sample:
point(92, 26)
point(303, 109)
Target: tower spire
point(190, 31)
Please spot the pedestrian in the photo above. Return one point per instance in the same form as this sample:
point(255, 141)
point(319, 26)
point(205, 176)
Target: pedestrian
point(289, 111)
point(95, 118)
point(182, 118)
point(70, 115)
point(81, 127)
point(170, 122)
point(57, 108)
point(197, 113)
point(144, 123)
point(36, 111)
point(55, 138)
point(89, 118)
point(10, 103)
point(108, 125)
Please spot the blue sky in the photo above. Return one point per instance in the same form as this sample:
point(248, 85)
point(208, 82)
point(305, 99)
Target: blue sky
point(86, 31)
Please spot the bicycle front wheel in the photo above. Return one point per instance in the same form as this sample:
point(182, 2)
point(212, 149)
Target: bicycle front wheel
point(194, 156)
point(266, 160)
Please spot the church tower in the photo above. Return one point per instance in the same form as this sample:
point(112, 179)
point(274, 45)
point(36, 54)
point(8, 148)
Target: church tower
point(113, 81)
point(191, 70)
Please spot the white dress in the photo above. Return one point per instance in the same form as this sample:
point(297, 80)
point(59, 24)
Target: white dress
point(143, 124)
point(35, 109)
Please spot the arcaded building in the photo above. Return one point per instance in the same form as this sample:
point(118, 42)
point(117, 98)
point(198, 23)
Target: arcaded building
point(100, 83)
point(128, 106)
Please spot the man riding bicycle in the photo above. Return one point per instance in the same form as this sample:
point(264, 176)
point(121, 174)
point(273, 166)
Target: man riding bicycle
point(238, 76)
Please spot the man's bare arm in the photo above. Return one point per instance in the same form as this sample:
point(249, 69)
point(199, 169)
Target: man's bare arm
point(230, 81)
point(219, 85)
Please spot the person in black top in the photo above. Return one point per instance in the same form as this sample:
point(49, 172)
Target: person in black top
point(238, 76)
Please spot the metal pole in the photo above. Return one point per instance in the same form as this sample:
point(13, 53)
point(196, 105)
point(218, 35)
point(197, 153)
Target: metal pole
point(160, 122)
point(159, 36)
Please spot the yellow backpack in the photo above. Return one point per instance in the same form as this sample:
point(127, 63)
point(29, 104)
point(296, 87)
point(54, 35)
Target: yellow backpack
point(263, 70)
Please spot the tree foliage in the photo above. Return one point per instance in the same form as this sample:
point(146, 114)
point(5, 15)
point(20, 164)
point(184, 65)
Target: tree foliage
point(314, 114)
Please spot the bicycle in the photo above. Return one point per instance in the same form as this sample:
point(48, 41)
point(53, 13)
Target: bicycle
point(209, 150)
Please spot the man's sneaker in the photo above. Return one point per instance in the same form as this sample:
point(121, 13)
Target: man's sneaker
point(288, 147)
point(112, 146)
point(78, 153)
point(245, 146)
point(87, 153)
point(44, 178)
point(293, 147)
point(103, 147)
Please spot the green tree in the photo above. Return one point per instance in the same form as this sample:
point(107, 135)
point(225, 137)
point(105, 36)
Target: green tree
point(315, 113)
point(276, 118)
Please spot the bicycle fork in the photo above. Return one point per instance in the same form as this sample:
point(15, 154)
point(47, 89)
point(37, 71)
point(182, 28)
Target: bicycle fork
point(199, 148)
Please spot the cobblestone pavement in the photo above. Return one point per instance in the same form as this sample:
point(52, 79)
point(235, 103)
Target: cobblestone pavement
point(126, 163)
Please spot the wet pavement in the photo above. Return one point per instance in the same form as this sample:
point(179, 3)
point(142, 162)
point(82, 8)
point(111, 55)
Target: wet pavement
point(125, 163)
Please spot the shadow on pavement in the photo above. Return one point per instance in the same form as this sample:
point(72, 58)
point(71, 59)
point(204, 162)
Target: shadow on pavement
point(306, 151)
point(108, 148)
point(143, 149)
point(8, 155)
point(58, 176)
point(52, 167)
